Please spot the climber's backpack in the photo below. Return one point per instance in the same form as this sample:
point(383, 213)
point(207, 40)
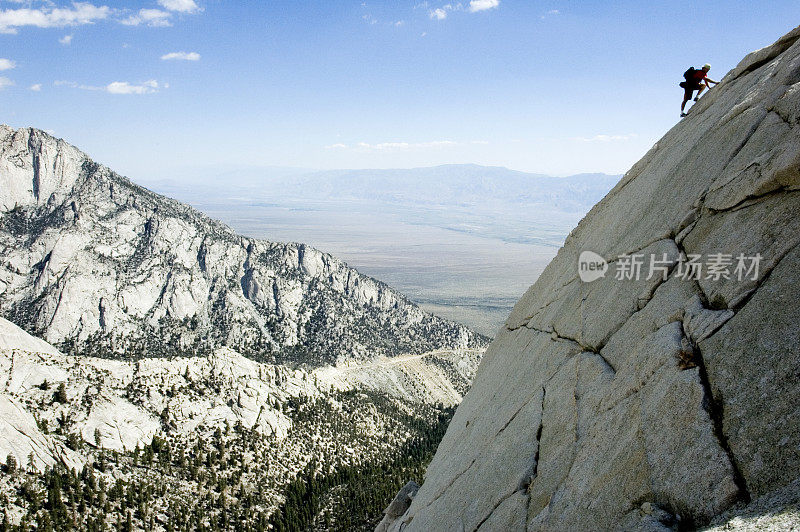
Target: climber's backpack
point(689, 77)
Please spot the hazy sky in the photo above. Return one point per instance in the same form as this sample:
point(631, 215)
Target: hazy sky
point(550, 86)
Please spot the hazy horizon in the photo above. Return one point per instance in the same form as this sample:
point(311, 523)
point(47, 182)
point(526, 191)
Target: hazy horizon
point(462, 241)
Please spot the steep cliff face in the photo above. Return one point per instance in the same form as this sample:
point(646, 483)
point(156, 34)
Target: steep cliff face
point(96, 264)
point(660, 400)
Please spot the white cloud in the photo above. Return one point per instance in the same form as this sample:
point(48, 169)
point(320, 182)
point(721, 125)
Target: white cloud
point(123, 87)
point(369, 19)
point(399, 23)
point(155, 18)
point(482, 5)
point(438, 14)
point(181, 56)
point(66, 40)
point(554, 12)
point(7, 64)
point(74, 85)
point(607, 138)
point(36, 87)
point(394, 146)
point(182, 6)
point(48, 17)
point(5, 82)
point(116, 87)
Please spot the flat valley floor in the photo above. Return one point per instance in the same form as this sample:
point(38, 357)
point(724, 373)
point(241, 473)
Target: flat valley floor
point(456, 274)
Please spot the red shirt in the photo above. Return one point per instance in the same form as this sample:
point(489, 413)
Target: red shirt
point(699, 75)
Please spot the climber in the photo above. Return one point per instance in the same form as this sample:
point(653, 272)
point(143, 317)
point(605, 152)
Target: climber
point(696, 80)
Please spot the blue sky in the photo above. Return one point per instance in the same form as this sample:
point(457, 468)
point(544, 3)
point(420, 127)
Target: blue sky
point(552, 86)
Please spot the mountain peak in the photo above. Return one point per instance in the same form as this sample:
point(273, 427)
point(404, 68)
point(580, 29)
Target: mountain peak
point(36, 167)
point(96, 264)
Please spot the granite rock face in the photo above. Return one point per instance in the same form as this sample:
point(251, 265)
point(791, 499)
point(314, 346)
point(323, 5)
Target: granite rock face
point(663, 400)
point(95, 264)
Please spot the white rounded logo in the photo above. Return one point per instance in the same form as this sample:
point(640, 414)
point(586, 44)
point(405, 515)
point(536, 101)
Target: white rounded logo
point(591, 266)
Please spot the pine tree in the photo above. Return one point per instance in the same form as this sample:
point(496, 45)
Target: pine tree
point(11, 464)
point(61, 394)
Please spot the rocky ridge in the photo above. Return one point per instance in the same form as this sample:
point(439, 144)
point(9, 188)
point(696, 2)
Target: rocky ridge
point(95, 264)
point(119, 405)
point(661, 401)
point(71, 411)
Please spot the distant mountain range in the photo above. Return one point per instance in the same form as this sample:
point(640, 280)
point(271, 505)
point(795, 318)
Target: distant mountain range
point(463, 185)
point(452, 184)
point(487, 201)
